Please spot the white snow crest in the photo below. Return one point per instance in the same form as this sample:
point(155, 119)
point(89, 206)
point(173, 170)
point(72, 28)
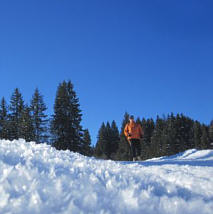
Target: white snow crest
point(36, 178)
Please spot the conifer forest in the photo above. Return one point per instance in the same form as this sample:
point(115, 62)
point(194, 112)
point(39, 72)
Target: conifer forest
point(163, 136)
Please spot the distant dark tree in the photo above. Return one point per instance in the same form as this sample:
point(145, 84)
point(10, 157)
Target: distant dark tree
point(39, 118)
point(204, 138)
point(3, 119)
point(86, 144)
point(26, 125)
point(114, 140)
point(178, 134)
point(16, 107)
point(106, 141)
point(211, 134)
point(178, 143)
point(123, 152)
point(158, 146)
point(170, 133)
point(197, 135)
point(185, 133)
point(148, 127)
point(98, 151)
point(66, 126)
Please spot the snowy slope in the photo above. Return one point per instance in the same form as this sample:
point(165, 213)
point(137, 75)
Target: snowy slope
point(35, 178)
point(191, 157)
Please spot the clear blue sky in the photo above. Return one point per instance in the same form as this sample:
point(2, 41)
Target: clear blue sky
point(146, 57)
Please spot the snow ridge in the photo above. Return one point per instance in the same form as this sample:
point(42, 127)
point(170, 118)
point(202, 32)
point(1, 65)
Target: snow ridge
point(36, 178)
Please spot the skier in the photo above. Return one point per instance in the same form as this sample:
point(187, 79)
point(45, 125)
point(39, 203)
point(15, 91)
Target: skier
point(134, 133)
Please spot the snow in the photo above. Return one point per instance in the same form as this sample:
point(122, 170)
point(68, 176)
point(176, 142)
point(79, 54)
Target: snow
point(36, 178)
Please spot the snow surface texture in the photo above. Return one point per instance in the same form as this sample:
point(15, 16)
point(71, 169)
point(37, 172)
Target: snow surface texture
point(35, 178)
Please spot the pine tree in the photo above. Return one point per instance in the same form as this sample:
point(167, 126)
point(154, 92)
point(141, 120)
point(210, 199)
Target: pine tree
point(185, 133)
point(86, 147)
point(3, 119)
point(98, 152)
point(179, 143)
point(16, 107)
point(211, 134)
point(65, 125)
point(170, 136)
point(39, 118)
point(26, 125)
point(123, 152)
point(157, 144)
point(106, 142)
point(197, 135)
point(148, 128)
point(115, 140)
point(204, 138)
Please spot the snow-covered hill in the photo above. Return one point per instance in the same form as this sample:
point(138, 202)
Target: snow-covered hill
point(35, 178)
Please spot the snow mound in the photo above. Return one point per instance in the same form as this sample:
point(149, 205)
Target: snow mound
point(193, 154)
point(190, 157)
point(36, 178)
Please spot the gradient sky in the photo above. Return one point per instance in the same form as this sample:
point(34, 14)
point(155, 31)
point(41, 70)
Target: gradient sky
point(146, 57)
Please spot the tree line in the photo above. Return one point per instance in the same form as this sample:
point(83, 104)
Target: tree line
point(162, 137)
point(63, 130)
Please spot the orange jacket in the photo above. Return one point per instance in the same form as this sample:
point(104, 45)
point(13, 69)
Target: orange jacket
point(133, 131)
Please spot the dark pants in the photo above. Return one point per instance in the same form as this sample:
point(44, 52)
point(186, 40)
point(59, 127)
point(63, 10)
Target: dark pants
point(135, 147)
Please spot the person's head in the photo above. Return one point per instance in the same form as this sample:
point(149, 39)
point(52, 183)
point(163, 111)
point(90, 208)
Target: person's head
point(131, 118)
